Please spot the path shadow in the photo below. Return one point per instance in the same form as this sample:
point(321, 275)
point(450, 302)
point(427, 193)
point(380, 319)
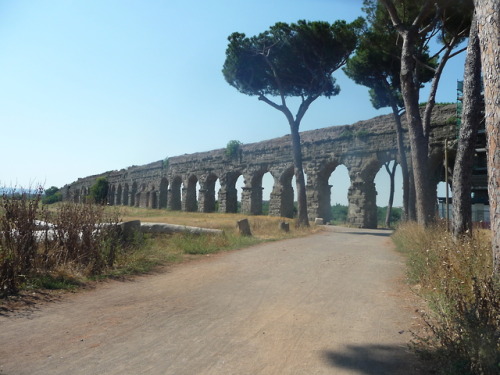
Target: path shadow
point(376, 360)
point(381, 234)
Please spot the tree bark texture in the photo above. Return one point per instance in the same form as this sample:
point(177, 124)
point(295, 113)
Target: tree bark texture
point(471, 118)
point(302, 218)
point(418, 141)
point(402, 161)
point(488, 18)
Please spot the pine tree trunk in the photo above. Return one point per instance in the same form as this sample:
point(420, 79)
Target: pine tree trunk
point(488, 18)
point(402, 161)
point(418, 141)
point(302, 218)
point(471, 118)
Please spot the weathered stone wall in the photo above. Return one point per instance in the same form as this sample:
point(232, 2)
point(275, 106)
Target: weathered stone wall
point(362, 147)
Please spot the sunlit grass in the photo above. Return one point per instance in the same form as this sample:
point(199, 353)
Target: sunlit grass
point(455, 277)
point(151, 251)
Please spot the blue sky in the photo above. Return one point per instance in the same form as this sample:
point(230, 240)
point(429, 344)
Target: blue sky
point(97, 85)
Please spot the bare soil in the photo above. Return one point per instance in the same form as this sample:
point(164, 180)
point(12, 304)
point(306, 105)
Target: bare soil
point(331, 303)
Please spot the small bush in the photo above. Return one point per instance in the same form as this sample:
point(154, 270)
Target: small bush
point(464, 332)
point(52, 195)
point(233, 148)
point(81, 238)
point(18, 242)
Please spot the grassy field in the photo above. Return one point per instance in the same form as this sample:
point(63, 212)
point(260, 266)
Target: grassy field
point(263, 227)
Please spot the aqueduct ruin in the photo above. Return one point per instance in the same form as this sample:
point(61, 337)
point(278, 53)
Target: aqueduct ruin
point(362, 147)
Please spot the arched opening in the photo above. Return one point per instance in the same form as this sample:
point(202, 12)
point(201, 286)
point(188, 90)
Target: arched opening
point(389, 174)
point(239, 184)
point(163, 198)
point(217, 191)
point(174, 202)
point(267, 184)
point(339, 181)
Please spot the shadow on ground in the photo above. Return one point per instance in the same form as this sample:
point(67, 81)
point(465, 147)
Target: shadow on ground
point(380, 234)
point(375, 360)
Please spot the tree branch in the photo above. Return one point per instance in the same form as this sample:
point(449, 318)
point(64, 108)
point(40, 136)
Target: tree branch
point(457, 52)
point(393, 13)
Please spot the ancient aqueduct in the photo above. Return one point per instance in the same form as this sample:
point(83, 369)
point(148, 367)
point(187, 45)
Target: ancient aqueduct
point(362, 147)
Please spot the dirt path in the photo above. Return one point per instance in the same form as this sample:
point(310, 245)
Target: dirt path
point(332, 303)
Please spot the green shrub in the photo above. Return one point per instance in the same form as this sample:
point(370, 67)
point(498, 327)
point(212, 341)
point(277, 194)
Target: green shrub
point(233, 148)
point(339, 213)
point(52, 195)
point(99, 191)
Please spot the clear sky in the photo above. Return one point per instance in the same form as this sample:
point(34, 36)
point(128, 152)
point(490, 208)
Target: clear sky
point(97, 85)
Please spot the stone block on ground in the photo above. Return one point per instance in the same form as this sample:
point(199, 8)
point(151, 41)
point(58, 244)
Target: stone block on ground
point(284, 226)
point(244, 227)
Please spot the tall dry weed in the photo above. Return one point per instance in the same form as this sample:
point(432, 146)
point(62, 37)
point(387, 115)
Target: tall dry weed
point(35, 242)
point(455, 277)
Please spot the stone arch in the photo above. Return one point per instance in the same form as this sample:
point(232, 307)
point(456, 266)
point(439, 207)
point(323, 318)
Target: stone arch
point(125, 196)
point(141, 197)
point(382, 178)
point(206, 198)
point(133, 195)
point(111, 195)
point(281, 201)
point(251, 197)
point(189, 202)
point(319, 189)
point(174, 201)
point(228, 196)
point(362, 195)
point(76, 196)
point(119, 192)
point(84, 194)
point(163, 196)
point(152, 197)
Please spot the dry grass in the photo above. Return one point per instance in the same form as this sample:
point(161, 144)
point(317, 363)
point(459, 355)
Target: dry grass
point(455, 277)
point(263, 227)
point(436, 261)
point(75, 256)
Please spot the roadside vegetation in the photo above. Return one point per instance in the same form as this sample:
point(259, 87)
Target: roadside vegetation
point(65, 245)
point(462, 334)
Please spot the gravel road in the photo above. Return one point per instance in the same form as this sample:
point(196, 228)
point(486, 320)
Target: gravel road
point(331, 303)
